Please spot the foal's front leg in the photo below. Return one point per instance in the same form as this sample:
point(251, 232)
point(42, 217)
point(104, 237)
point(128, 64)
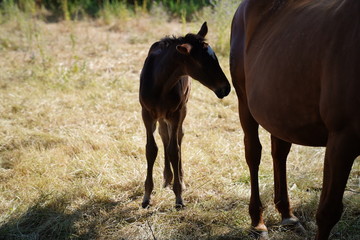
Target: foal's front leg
point(151, 153)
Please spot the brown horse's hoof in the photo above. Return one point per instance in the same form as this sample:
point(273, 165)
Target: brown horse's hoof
point(264, 236)
point(299, 229)
point(260, 235)
point(294, 224)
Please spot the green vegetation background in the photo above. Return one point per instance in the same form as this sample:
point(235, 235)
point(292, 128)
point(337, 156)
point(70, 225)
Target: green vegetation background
point(70, 9)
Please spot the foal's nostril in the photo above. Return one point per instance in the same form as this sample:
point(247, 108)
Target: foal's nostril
point(223, 92)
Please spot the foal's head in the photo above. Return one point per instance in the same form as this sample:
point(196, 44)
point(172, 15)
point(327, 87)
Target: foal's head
point(201, 62)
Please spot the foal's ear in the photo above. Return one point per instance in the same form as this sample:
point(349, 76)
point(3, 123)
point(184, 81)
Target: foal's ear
point(184, 48)
point(203, 31)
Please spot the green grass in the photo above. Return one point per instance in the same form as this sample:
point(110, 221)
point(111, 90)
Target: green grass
point(72, 161)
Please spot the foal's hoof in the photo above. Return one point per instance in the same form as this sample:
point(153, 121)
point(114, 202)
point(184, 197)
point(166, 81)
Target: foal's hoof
point(166, 184)
point(179, 205)
point(145, 204)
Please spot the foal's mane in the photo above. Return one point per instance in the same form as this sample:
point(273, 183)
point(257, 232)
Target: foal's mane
point(166, 42)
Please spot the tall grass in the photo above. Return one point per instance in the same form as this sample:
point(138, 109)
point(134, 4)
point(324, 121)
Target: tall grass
point(116, 10)
point(77, 9)
point(184, 8)
point(219, 16)
point(217, 13)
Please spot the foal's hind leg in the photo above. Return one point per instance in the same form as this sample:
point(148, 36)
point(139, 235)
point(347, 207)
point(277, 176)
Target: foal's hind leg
point(174, 150)
point(279, 151)
point(341, 151)
point(164, 133)
point(180, 137)
point(151, 153)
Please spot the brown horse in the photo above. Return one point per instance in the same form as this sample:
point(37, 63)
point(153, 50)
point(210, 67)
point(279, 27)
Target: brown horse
point(164, 92)
point(295, 65)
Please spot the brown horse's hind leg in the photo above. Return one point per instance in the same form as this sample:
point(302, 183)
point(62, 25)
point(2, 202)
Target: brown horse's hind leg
point(165, 137)
point(253, 158)
point(151, 153)
point(341, 151)
point(279, 151)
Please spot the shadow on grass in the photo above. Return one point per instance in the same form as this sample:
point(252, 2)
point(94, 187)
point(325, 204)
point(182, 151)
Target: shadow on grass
point(53, 218)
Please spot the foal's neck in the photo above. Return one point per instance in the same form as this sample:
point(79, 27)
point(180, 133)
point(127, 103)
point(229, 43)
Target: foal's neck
point(169, 71)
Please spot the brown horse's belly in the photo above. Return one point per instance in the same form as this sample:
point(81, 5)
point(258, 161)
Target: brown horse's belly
point(307, 135)
point(283, 94)
point(288, 119)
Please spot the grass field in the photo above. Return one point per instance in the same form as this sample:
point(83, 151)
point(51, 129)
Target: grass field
point(72, 161)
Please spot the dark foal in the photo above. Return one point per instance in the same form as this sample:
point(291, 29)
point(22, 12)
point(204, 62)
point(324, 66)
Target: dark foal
point(164, 92)
point(295, 69)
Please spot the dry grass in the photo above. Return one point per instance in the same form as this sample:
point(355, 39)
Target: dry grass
point(72, 161)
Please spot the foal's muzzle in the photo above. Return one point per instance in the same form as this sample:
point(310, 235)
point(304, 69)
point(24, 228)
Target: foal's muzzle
point(223, 92)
